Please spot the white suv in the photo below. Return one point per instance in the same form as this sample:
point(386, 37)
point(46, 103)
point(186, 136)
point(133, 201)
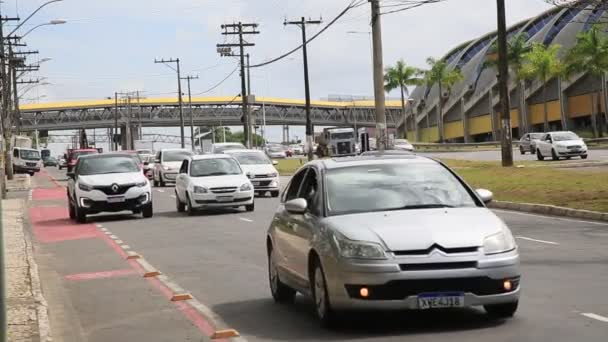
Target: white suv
point(212, 181)
point(166, 165)
point(264, 176)
point(108, 183)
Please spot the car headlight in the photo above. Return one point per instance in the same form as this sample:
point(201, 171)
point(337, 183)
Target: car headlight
point(200, 189)
point(357, 249)
point(273, 175)
point(141, 184)
point(246, 187)
point(499, 243)
point(166, 168)
point(84, 187)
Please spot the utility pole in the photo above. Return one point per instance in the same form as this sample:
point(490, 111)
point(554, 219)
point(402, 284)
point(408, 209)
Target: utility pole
point(251, 121)
point(6, 130)
point(381, 133)
point(503, 86)
point(188, 78)
point(179, 93)
point(309, 130)
point(115, 132)
point(224, 50)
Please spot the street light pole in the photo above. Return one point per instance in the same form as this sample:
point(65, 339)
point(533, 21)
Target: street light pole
point(188, 78)
point(115, 132)
point(503, 86)
point(179, 93)
point(381, 138)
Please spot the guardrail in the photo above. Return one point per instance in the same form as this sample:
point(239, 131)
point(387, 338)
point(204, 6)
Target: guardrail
point(489, 144)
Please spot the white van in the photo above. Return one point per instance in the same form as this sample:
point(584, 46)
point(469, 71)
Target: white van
point(26, 160)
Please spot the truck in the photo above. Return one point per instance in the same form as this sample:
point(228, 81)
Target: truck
point(340, 141)
point(21, 141)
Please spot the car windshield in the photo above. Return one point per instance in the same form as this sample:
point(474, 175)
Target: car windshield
point(536, 136)
point(393, 186)
point(222, 148)
point(342, 136)
point(106, 165)
point(29, 154)
point(175, 156)
point(565, 136)
point(275, 149)
point(251, 158)
point(214, 167)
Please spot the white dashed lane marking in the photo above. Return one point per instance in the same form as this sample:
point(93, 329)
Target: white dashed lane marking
point(595, 316)
point(536, 240)
point(245, 219)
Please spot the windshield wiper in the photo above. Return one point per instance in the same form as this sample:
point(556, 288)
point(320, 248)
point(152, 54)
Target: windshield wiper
point(423, 206)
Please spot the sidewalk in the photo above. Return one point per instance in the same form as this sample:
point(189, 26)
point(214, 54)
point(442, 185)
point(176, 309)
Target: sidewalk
point(26, 307)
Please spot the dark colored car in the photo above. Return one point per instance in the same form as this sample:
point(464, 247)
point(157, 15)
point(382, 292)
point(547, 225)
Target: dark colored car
point(50, 161)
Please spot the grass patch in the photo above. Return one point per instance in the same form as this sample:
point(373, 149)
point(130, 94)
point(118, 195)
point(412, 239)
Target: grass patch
point(287, 167)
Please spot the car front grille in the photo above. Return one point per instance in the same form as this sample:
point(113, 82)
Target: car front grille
point(263, 176)
point(574, 147)
point(107, 189)
point(438, 266)
point(236, 200)
point(223, 190)
point(436, 246)
point(263, 183)
point(401, 289)
point(31, 164)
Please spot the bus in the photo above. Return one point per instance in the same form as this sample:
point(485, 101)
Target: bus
point(340, 142)
point(45, 153)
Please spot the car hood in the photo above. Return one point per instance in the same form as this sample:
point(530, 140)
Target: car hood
point(571, 143)
point(113, 178)
point(172, 165)
point(220, 181)
point(420, 229)
point(261, 169)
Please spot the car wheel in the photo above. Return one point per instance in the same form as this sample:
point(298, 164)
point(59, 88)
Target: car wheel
point(321, 297)
point(81, 214)
point(161, 182)
point(71, 210)
point(181, 207)
point(155, 183)
point(281, 293)
point(274, 193)
point(584, 156)
point(554, 155)
point(521, 150)
point(137, 211)
point(505, 310)
point(148, 211)
point(250, 207)
point(191, 210)
point(539, 155)
point(32, 174)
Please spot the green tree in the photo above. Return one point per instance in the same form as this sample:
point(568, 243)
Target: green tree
point(256, 139)
point(590, 55)
point(541, 63)
point(439, 73)
point(517, 47)
point(402, 76)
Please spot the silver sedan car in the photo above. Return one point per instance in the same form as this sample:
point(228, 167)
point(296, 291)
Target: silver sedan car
point(396, 232)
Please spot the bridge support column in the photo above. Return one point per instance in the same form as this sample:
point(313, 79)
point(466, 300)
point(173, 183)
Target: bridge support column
point(285, 133)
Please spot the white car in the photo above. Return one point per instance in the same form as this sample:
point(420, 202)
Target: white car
point(108, 183)
point(403, 144)
point(264, 176)
point(560, 145)
point(167, 164)
point(212, 181)
point(222, 147)
point(276, 152)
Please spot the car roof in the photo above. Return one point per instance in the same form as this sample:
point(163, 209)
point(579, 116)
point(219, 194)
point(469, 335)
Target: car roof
point(336, 163)
point(84, 150)
point(377, 153)
point(106, 155)
point(211, 156)
point(554, 132)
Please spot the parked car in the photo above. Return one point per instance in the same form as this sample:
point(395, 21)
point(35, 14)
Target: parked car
point(212, 181)
point(108, 183)
point(167, 164)
point(560, 145)
point(221, 147)
point(50, 161)
point(403, 144)
point(398, 232)
point(264, 176)
point(26, 160)
point(276, 152)
point(527, 143)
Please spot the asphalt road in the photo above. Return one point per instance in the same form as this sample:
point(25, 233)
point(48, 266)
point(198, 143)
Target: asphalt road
point(493, 155)
point(220, 258)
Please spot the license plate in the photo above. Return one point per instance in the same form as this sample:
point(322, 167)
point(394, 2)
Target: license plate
point(440, 300)
point(225, 199)
point(255, 183)
point(116, 199)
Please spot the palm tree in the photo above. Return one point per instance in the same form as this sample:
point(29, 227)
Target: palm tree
point(402, 76)
point(541, 63)
point(517, 47)
point(439, 73)
point(590, 55)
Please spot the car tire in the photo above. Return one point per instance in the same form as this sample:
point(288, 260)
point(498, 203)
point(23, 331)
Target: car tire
point(584, 156)
point(250, 207)
point(281, 293)
point(181, 207)
point(161, 183)
point(81, 214)
point(155, 183)
point(318, 288)
point(191, 211)
point(554, 155)
point(521, 150)
point(71, 210)
point(274, 193)
point(539, 155)
point(148, 211)
point(32, 174)
point(504, 310)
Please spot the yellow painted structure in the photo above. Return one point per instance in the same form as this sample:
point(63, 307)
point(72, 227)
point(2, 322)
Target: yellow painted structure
point(453, 129)
point(480, 124)
point(537, 112)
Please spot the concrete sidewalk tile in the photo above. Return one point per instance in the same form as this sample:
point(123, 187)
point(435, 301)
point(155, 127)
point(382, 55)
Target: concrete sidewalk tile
point(18, 282)
point(22, 333)
point(21, 314)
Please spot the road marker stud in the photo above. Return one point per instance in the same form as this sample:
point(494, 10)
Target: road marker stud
point(120, 242)
point(132, 255)
point(113, 237)
point(107, 232)
point(227, 333)
point(180, 296)
point(125, 246)
point(151, 274)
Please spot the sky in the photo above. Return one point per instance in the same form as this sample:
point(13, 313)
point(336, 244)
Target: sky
point(110, 45)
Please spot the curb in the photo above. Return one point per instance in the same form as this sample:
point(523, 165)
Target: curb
point(553, 210)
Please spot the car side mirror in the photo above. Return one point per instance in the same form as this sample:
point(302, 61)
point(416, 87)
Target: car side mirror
point(71, 175)
point(484, 195)
point(274, 162)
point(296, 206)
